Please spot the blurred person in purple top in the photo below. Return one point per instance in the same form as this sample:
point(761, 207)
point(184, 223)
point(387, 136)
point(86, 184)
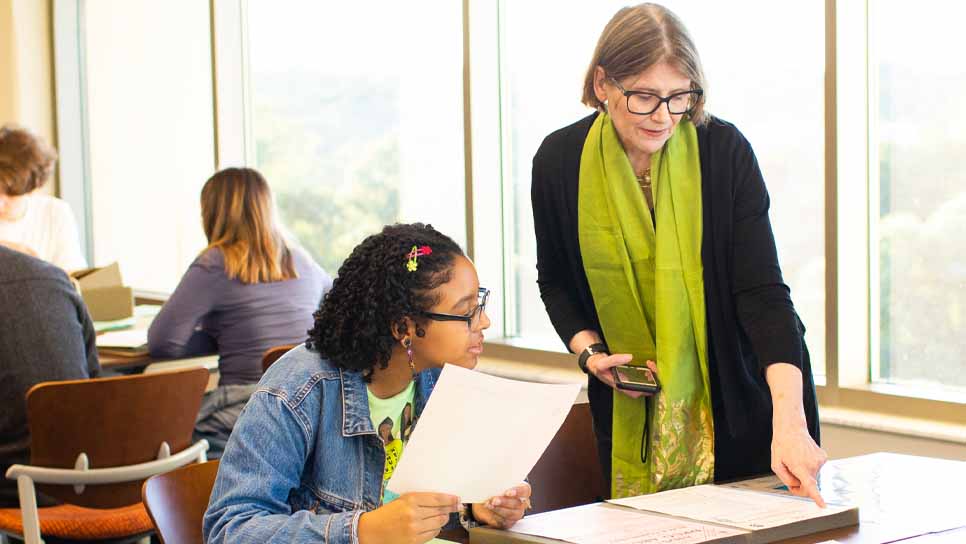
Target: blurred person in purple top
point(248, 291)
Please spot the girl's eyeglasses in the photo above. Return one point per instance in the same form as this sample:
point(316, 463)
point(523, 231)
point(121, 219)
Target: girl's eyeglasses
point(472, 319)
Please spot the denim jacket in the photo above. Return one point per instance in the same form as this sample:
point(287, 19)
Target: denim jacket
point(304, 461)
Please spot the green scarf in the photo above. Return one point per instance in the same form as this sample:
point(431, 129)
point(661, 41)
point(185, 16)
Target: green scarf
point(648, 289)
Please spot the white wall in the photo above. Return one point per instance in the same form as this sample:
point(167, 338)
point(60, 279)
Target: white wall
point(26, 74)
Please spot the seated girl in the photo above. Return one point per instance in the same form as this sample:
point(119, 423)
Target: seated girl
point(248, 291)
point(31, 222)
point(312, 455)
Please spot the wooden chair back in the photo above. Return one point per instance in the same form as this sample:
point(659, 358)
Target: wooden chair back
point(568, 474)
point(115, 422)
point(273, 354)
point(177, 500)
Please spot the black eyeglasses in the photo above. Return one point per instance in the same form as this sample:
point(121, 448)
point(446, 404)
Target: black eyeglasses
point(643, 103)
point(472, 319)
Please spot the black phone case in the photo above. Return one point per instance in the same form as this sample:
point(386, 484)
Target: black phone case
point(633, 386)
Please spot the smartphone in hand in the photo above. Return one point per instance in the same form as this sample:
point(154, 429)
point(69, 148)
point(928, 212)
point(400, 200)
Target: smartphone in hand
point(635, 378)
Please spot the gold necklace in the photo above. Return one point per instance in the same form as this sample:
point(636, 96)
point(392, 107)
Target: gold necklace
point(644, 179)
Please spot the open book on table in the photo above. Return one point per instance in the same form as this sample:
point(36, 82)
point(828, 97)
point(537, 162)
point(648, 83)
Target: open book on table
point(703, 514)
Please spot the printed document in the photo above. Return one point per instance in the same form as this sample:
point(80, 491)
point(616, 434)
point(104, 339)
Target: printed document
point(602, 524)
point(735, 507)
point(480, 435)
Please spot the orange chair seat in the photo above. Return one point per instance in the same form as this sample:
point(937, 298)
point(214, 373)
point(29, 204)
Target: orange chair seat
point(78, 523)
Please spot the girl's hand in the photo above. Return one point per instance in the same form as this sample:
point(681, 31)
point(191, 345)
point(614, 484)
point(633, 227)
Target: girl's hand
point(413, 518)
point(504, 511)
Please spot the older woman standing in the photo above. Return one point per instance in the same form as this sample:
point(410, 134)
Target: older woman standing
point(654, 247)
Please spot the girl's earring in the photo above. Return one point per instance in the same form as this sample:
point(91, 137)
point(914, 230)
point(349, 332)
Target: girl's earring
point(409, 353)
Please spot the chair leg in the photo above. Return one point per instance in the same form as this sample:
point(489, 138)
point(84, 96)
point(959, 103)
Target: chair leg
point(28, 510)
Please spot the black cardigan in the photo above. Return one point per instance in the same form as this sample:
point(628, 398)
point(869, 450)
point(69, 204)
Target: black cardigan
point(750, 317)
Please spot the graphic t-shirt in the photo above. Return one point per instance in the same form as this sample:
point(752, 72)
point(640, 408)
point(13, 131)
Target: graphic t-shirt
point(393, 419)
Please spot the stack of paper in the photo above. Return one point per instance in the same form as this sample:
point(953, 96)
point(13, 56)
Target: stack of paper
point(143, 314)
point(131, 343)
point(602, 523)
point(697, 515)
point(771, 517)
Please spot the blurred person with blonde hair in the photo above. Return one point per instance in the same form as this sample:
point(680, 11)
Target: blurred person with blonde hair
point(248, 291)
point(39, 225)
point(654, 248)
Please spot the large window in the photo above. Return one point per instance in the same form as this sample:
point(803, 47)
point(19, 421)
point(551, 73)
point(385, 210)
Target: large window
point(357, 118)
point(356, 114)
point(774, 94)
point(150, 134)
point(918, 194)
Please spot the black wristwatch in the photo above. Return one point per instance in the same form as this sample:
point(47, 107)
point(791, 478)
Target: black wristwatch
point(588, 352)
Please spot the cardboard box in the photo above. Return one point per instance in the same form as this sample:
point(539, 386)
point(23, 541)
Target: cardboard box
point(104, 292)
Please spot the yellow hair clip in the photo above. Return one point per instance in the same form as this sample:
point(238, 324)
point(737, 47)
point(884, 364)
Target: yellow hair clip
point(412, 264)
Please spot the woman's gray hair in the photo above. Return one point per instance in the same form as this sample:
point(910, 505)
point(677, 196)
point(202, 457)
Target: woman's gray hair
point(639, 37)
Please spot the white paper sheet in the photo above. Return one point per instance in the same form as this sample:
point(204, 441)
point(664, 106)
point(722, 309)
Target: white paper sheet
point(480, 435)
point(735, 507)
point(767, 484)
point(600, 524)
point(130, 339)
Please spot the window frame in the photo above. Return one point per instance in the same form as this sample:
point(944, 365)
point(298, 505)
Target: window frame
point(852, 312)
point(71, 117)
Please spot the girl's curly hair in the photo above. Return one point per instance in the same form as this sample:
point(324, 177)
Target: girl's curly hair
point(375, 291)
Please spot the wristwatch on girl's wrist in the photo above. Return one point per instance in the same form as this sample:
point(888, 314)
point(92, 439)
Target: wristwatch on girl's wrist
point(589, 352)
point(467, 519)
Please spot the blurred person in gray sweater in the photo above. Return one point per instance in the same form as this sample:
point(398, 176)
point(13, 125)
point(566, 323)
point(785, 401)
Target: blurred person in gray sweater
point(46, 334)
